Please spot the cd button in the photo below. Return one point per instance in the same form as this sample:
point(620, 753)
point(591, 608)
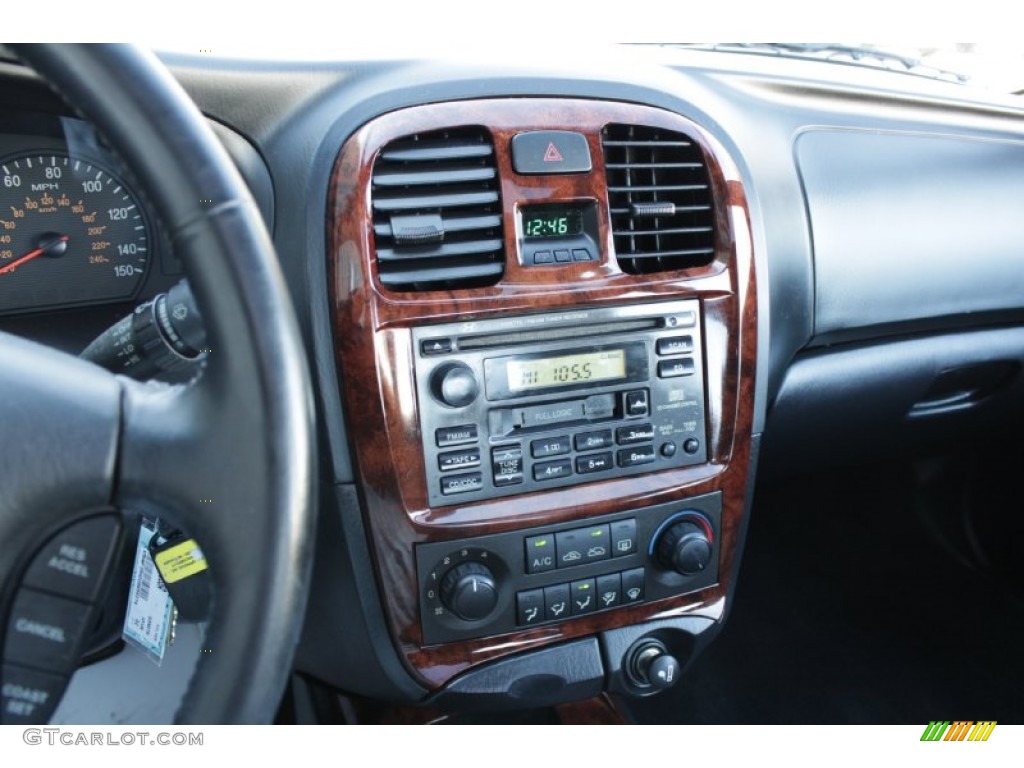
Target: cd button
point(473, 481)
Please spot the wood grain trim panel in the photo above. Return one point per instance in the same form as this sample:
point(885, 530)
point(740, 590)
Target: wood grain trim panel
point(375, 357)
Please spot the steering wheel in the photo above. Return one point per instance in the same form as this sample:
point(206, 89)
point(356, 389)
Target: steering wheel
point(78, 439)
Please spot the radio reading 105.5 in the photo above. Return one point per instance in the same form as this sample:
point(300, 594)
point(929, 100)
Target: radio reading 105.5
point(568, 369)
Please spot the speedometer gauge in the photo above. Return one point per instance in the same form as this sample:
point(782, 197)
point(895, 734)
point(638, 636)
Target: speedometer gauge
point(71, 232)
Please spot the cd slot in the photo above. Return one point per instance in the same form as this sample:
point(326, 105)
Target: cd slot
point(536, 335)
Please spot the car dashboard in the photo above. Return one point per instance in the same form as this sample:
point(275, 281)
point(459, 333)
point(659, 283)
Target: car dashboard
point(560, 319)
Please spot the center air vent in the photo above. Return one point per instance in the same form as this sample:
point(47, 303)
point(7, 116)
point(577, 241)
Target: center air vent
point(659, 196)
point(437, 212)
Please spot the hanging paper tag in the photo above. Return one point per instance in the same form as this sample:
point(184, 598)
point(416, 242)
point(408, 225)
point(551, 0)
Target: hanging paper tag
point(148, 623)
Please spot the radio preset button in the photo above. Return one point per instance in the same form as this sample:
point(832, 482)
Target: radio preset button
point(596, 462)
point(540, 553)
point(552, 470)
point(623, 537)
point(447, 436)
point(675, 345)
point(630, 457)
point(472, 481)
point(640, 433)
point(591, 441)
point(436, 346)
point(550, 446)
point(459, 459)
point(636, 403)
point(668, 369)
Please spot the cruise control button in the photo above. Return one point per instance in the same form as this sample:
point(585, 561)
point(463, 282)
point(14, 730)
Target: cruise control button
point(639, 433)
point(596, 462)
point(623, 537)
point(459, 459)
point(583, 596)
point(44, 631)
point(556, 602)
point(591, 441)
point(552, 470)
point(446, 436)
point(550, 446)
point(28, 697)
point(668, 369)
point(472, 481)
point(609, 591)
point(633, 585)
point(641, 454)
point(74, 561)
point(530, 607)
point(540, 553)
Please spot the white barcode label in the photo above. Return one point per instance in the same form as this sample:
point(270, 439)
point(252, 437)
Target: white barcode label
point(147, 623)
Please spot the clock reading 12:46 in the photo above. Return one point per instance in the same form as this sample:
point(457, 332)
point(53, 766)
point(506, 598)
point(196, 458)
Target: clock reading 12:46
point(539, 222)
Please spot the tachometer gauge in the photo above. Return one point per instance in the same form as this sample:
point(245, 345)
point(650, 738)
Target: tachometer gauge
point(71, 232)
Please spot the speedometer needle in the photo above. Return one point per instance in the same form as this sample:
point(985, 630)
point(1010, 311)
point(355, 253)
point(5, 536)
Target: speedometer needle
point(51, 245)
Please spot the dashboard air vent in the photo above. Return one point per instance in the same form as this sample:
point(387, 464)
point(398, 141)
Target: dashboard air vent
point(659, 196)
point(437, 212)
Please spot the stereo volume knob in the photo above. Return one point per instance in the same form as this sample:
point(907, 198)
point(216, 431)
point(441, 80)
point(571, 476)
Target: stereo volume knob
point(684, 548)
point(470, 591)
point(454, 384)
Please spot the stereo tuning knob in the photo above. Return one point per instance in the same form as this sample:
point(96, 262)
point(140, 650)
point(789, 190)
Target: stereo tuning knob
point(454, 384)
point(684, 548)
point(470, 591)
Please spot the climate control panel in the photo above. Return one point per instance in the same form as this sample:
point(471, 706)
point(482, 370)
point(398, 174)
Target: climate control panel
point(502, 582)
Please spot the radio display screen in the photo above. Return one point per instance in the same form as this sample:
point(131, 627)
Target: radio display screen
point(541, 221)
point(545, 372)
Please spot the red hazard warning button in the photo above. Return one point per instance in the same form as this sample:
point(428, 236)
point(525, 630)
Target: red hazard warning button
point(550, 152)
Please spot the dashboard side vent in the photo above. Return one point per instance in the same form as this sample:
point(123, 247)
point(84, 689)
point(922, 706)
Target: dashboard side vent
point(659, 197)
point(437, 220)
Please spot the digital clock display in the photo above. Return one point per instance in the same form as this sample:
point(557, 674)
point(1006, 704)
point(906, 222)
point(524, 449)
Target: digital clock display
point(547, 372)
point(550, 221)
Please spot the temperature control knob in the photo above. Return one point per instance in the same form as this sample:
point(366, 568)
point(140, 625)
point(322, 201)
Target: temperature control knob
point(684, 548)
point(454, 384)
point(469, 590)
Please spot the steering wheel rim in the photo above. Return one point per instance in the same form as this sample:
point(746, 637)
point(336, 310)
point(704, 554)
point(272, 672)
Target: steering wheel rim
point(240, 435)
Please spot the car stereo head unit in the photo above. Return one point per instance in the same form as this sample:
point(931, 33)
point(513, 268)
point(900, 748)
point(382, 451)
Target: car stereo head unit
point(520, 404)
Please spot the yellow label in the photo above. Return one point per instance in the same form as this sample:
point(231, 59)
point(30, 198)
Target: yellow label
point(181, 561)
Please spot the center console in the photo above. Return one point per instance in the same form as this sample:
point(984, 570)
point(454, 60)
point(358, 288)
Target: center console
point(545, 324)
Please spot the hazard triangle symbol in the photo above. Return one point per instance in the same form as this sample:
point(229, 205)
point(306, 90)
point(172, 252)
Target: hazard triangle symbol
point(552, 155)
